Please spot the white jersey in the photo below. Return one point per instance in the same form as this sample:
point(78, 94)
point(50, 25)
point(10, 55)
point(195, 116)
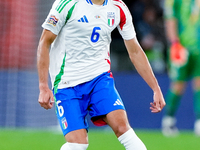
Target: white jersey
point(81, 50)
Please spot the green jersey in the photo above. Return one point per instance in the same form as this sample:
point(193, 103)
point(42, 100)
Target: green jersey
point(187, 14)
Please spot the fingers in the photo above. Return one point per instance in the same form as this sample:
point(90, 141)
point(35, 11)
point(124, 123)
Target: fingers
point(162, 105)
point(158, 103)
point(155, 108)
point(46, 100)
point(46, 104)
point(51, 102)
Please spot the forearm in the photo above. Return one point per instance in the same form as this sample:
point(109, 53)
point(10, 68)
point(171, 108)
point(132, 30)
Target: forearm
point(43, 64)
point(144, 69)
point(171, 30)
point(141, 63)
point(46, 98)
point(45, 42)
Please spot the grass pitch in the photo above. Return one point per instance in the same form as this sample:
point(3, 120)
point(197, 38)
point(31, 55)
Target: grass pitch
point(18, 139)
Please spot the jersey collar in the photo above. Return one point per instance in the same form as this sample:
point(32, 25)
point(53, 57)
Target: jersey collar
point(90, 2)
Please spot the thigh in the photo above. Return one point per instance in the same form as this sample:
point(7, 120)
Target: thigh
point(104, 99)
point(118, 121)
point(71, 110)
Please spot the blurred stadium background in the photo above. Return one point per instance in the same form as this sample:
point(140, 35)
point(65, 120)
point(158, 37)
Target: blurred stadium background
point(19, 36)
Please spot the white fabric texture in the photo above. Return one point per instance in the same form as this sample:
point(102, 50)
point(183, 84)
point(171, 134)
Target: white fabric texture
point(131, 141)
point(81, 50)
point(74, 146)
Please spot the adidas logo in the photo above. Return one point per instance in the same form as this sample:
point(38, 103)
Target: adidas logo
point(118, 102)
point(83, 19)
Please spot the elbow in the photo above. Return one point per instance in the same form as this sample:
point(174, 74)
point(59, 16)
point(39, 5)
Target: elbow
point(133, 54)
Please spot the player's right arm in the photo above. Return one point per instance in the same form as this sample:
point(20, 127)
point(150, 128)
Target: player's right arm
point(54, 22)
point(45, 96)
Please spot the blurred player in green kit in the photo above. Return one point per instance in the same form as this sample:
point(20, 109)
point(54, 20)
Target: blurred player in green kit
point(182, 19)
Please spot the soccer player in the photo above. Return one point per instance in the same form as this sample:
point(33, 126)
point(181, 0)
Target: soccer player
point(183, 31)
point(79, 33)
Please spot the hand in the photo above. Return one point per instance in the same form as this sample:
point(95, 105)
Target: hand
point(178, 54)
point(46, 99)
point(158, 103)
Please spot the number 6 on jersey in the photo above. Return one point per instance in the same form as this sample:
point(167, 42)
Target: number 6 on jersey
point(95, 35)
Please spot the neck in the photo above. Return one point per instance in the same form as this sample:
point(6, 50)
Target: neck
point(98, 2)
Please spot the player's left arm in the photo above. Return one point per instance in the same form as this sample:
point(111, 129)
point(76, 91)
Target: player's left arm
point(141, 63)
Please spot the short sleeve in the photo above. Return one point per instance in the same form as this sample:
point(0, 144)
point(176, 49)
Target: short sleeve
point(125, 27)
point(58, 16)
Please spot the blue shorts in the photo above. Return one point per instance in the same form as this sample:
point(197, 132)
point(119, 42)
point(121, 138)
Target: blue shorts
point(97, 97)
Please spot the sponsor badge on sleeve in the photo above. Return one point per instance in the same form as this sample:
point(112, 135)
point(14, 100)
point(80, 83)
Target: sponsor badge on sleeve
point(52, 20)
